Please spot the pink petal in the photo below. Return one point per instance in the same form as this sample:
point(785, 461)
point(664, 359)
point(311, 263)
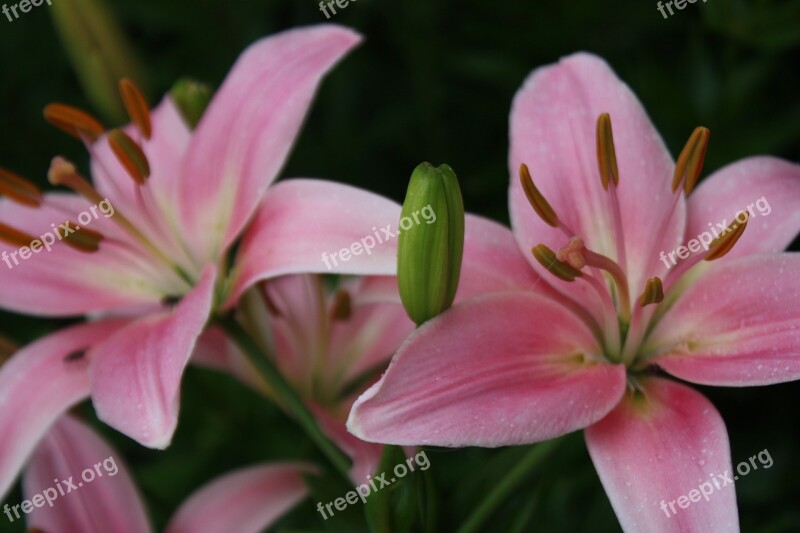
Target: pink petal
point(493, 262)
point(245, 501)
point(553, 121)
point(137, 374)
point(492, 371)
point(38, 384)
point(738, 325)
point(302, 222)
point(104, 498)
point(734, 188)
point(245, 135)
point(652, 450)
point(64, 281)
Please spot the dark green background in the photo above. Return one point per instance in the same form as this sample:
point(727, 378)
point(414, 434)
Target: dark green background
point(434, 81)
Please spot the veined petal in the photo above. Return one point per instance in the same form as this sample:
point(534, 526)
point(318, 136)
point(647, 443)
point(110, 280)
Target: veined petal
point(245, 134)
point(767, 186)
point(109, 502)
point(137, 372)
point(303, 225)
point(246, 501)
point(738, 325)
point(497, 370)
point(64, 281)
point(38, 384)
point(660, 448)
point(553, 121)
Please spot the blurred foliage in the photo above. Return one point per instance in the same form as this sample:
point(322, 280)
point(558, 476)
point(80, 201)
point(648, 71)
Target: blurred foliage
point(434, 81)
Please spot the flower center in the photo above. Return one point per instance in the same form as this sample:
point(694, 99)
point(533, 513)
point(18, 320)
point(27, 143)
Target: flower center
point(623, 322)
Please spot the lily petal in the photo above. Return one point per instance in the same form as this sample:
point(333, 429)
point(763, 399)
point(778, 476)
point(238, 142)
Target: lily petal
point(775, 221)
point(660, 448)
point(366, 456)
point(38, 384)
point(750, 312)
point(330, 217)
point(497, 370)
point(245, 134)
point(553, 122)
point(137, 373)
point(247, 500)
point(109, 502)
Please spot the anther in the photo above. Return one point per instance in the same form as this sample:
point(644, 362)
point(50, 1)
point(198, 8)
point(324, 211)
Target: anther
point(653, 292)
point(75, 122)
point(537, 201)
point(19, 189)
point(137, 107)
point(606, 153)
point(724, 243)
point(83, 240)
point(547, 258)
point(130, 155)
point(690, 161)
point(342, 307)
point(14, 237)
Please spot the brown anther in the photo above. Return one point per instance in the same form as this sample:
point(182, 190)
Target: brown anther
point(724, 243)
point(130, 155)
point(82, 239)
point(606, 153)
point(19, 189)
point(14, 237)
point(77, 123)
point(137, 107)
point(573, 253)
point(690, 161)
point(549, 261)
point(7, 349)
point(653, 292)
point(342, 307)
point(537, 201)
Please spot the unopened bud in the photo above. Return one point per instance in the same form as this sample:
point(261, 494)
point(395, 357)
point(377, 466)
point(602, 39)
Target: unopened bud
point(192, 98)
point(429, 252)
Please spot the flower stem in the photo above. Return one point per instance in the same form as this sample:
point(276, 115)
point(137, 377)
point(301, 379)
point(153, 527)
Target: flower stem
point(530, 461)
point(286, 395)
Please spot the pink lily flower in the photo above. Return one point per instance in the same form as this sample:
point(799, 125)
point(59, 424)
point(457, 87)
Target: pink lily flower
point(576, 349)
point(176, 200)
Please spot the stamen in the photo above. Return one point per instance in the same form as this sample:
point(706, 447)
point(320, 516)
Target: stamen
point(137, 107)
point(62, 172)
point(653, 292)
point(342, 307)
point(82, 240)
point(19, 189)
point(75, 122)
point(130, 155)
point(690, 162)
point(537, 201)
point(602, 262)
point(550, 262)
point(14, 237)
point(7, 349)
point(725, 242)
point(606, 154)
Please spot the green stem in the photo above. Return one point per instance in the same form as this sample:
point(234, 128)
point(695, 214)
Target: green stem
point(501, 492)
point(286, 395)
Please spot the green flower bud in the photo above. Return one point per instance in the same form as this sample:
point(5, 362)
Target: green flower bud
point(192, 98)
point(430, 242)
